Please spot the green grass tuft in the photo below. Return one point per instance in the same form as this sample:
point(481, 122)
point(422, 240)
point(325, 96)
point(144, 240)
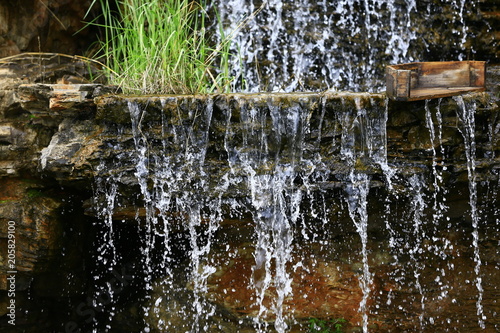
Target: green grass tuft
point(161, 47)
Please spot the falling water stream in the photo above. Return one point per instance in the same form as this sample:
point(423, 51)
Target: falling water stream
point(272, 171)
point(275, 174)
point(357, 191)
point(466, 114)
point(363, 138)
point(317, 45)
point(274, 200)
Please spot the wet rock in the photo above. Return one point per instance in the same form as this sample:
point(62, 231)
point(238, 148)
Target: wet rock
point(418, 138)
point(320, 290)
point(325, 283)
point(31, 208)
point(35, 221)
point(65, 100)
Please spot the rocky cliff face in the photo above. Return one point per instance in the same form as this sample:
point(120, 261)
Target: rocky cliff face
point(56, 138)
point(32, 206)
point(44, 26)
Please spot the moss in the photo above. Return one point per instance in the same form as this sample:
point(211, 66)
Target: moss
point(32, 193)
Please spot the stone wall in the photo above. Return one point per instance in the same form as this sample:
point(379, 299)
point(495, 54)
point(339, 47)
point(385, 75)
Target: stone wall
point(36, 207)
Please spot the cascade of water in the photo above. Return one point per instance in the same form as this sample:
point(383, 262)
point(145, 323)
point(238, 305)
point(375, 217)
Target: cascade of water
point(311, 176)
point(268, 157)
point(379, 146)
point(357, 192)
point(389, 173)
point(103, 298)
point(415, 215)
point(142, 175)
point(274, 200)
point(274, 243)
point(359, 137)
point(108, 189)
point(439, 207)
point(171, 178)
point(460, 6)
point(467, 114)
point(303, 45)
point(432, 136)
point(439, 191)
point(401, 34)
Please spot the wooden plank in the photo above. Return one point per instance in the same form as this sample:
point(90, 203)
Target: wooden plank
point(477, 73)
point(390, 81)
point(428, 93)
point(444, 74)
point(403, 83)
point(416, 81)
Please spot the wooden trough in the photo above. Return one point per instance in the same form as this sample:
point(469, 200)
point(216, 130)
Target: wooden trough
point(425, 80)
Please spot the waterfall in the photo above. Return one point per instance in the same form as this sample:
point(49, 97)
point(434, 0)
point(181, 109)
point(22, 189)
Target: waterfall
point(277, 170)
point(317, 45)
point(416, 213)
point(302, 45)
point(363, 138)
point(435, 139)
point(295, 178)
point(466, 114)
point(303, 201)
point(270, 169)
point(166, 186)
point(295, 168)
point(357, 190)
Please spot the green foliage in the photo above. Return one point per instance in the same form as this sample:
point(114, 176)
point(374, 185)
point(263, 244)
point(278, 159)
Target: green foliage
point(34, 193)
point(161, 46)
point(326, 326)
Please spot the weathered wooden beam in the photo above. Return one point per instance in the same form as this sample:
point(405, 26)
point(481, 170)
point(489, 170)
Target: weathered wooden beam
point(426, 80)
